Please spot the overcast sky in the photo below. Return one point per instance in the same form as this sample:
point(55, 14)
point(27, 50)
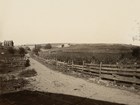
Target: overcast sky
point(74, 21)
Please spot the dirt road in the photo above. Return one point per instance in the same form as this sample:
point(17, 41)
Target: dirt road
point(48, 80)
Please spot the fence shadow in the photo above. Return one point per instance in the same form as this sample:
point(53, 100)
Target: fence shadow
point(40, 98)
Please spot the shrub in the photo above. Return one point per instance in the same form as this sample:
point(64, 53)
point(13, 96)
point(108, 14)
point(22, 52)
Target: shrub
point(28, 73)
point(48, 46)
point(62, 45)
point(11, 50)
point(28, 49)
point(35, 51)
point(38, 47)
point(136, 52)
point(22, 51)
point(27, 64)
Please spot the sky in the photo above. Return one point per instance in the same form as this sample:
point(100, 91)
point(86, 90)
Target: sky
point(69, 21)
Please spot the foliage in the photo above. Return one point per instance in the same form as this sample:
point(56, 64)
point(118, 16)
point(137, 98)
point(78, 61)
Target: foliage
point(11, 50)
point(28, 73)
point(38, 47)
point(27, 49)
point(107, 54)
point(27, 63)
point(79, 57)
point(35, 51)
point(22, 51)
point(48, 46)
point(136, 52)
point(62, 45)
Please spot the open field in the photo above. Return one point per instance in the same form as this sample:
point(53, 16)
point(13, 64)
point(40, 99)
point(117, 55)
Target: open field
point(106, 53)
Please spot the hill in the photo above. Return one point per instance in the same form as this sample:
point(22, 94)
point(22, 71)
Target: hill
point(106, 53)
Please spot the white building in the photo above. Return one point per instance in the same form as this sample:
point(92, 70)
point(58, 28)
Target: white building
point(8, 43)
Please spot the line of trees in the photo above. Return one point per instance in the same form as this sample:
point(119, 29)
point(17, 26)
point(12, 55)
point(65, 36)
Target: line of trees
point(37, 48)
point(21, 51)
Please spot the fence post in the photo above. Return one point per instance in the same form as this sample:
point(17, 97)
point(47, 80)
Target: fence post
point(1, 89)
point(134, 75)
point(72, 65)
point(100, 70)
point(83, 65)
point(68, 66)
point(56, 61)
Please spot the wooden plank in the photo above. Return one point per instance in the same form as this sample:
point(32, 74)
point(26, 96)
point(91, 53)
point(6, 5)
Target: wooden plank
point(121, 79)
point(123, 72)
point(116, 69)
point(85, 69)
point(89, 73)
point(87, 64)
point(111, 77)
point(120, 73)
point(114, 65)
point(92, 71)
point(80, 66)
point(110, 72)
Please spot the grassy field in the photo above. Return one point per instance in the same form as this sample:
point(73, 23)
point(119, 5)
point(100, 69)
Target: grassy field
point(106, 53)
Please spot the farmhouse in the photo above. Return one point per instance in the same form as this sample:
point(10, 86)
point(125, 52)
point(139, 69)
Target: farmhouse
point(9, 43)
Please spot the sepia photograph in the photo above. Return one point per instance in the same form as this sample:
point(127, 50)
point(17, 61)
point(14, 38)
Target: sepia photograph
point(69, 52)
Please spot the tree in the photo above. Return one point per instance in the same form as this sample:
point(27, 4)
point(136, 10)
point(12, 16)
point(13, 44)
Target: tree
point(48, 46)
point(38, 47)
point(136, 52)
point(22, 51)
point(11, 50)
point(27, 63)
point(62, 45)
point(27, 48)
point(35, 51)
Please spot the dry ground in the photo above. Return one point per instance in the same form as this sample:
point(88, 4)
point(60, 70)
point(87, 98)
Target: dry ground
point(51, 81)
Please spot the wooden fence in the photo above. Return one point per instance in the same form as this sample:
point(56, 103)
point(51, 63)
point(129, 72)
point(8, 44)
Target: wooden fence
point(8, 64)
point(127, 75)
point(117, 73)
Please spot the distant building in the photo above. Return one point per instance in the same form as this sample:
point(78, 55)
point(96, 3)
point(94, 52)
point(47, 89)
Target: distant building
point(9, 43)
point(65, 45)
